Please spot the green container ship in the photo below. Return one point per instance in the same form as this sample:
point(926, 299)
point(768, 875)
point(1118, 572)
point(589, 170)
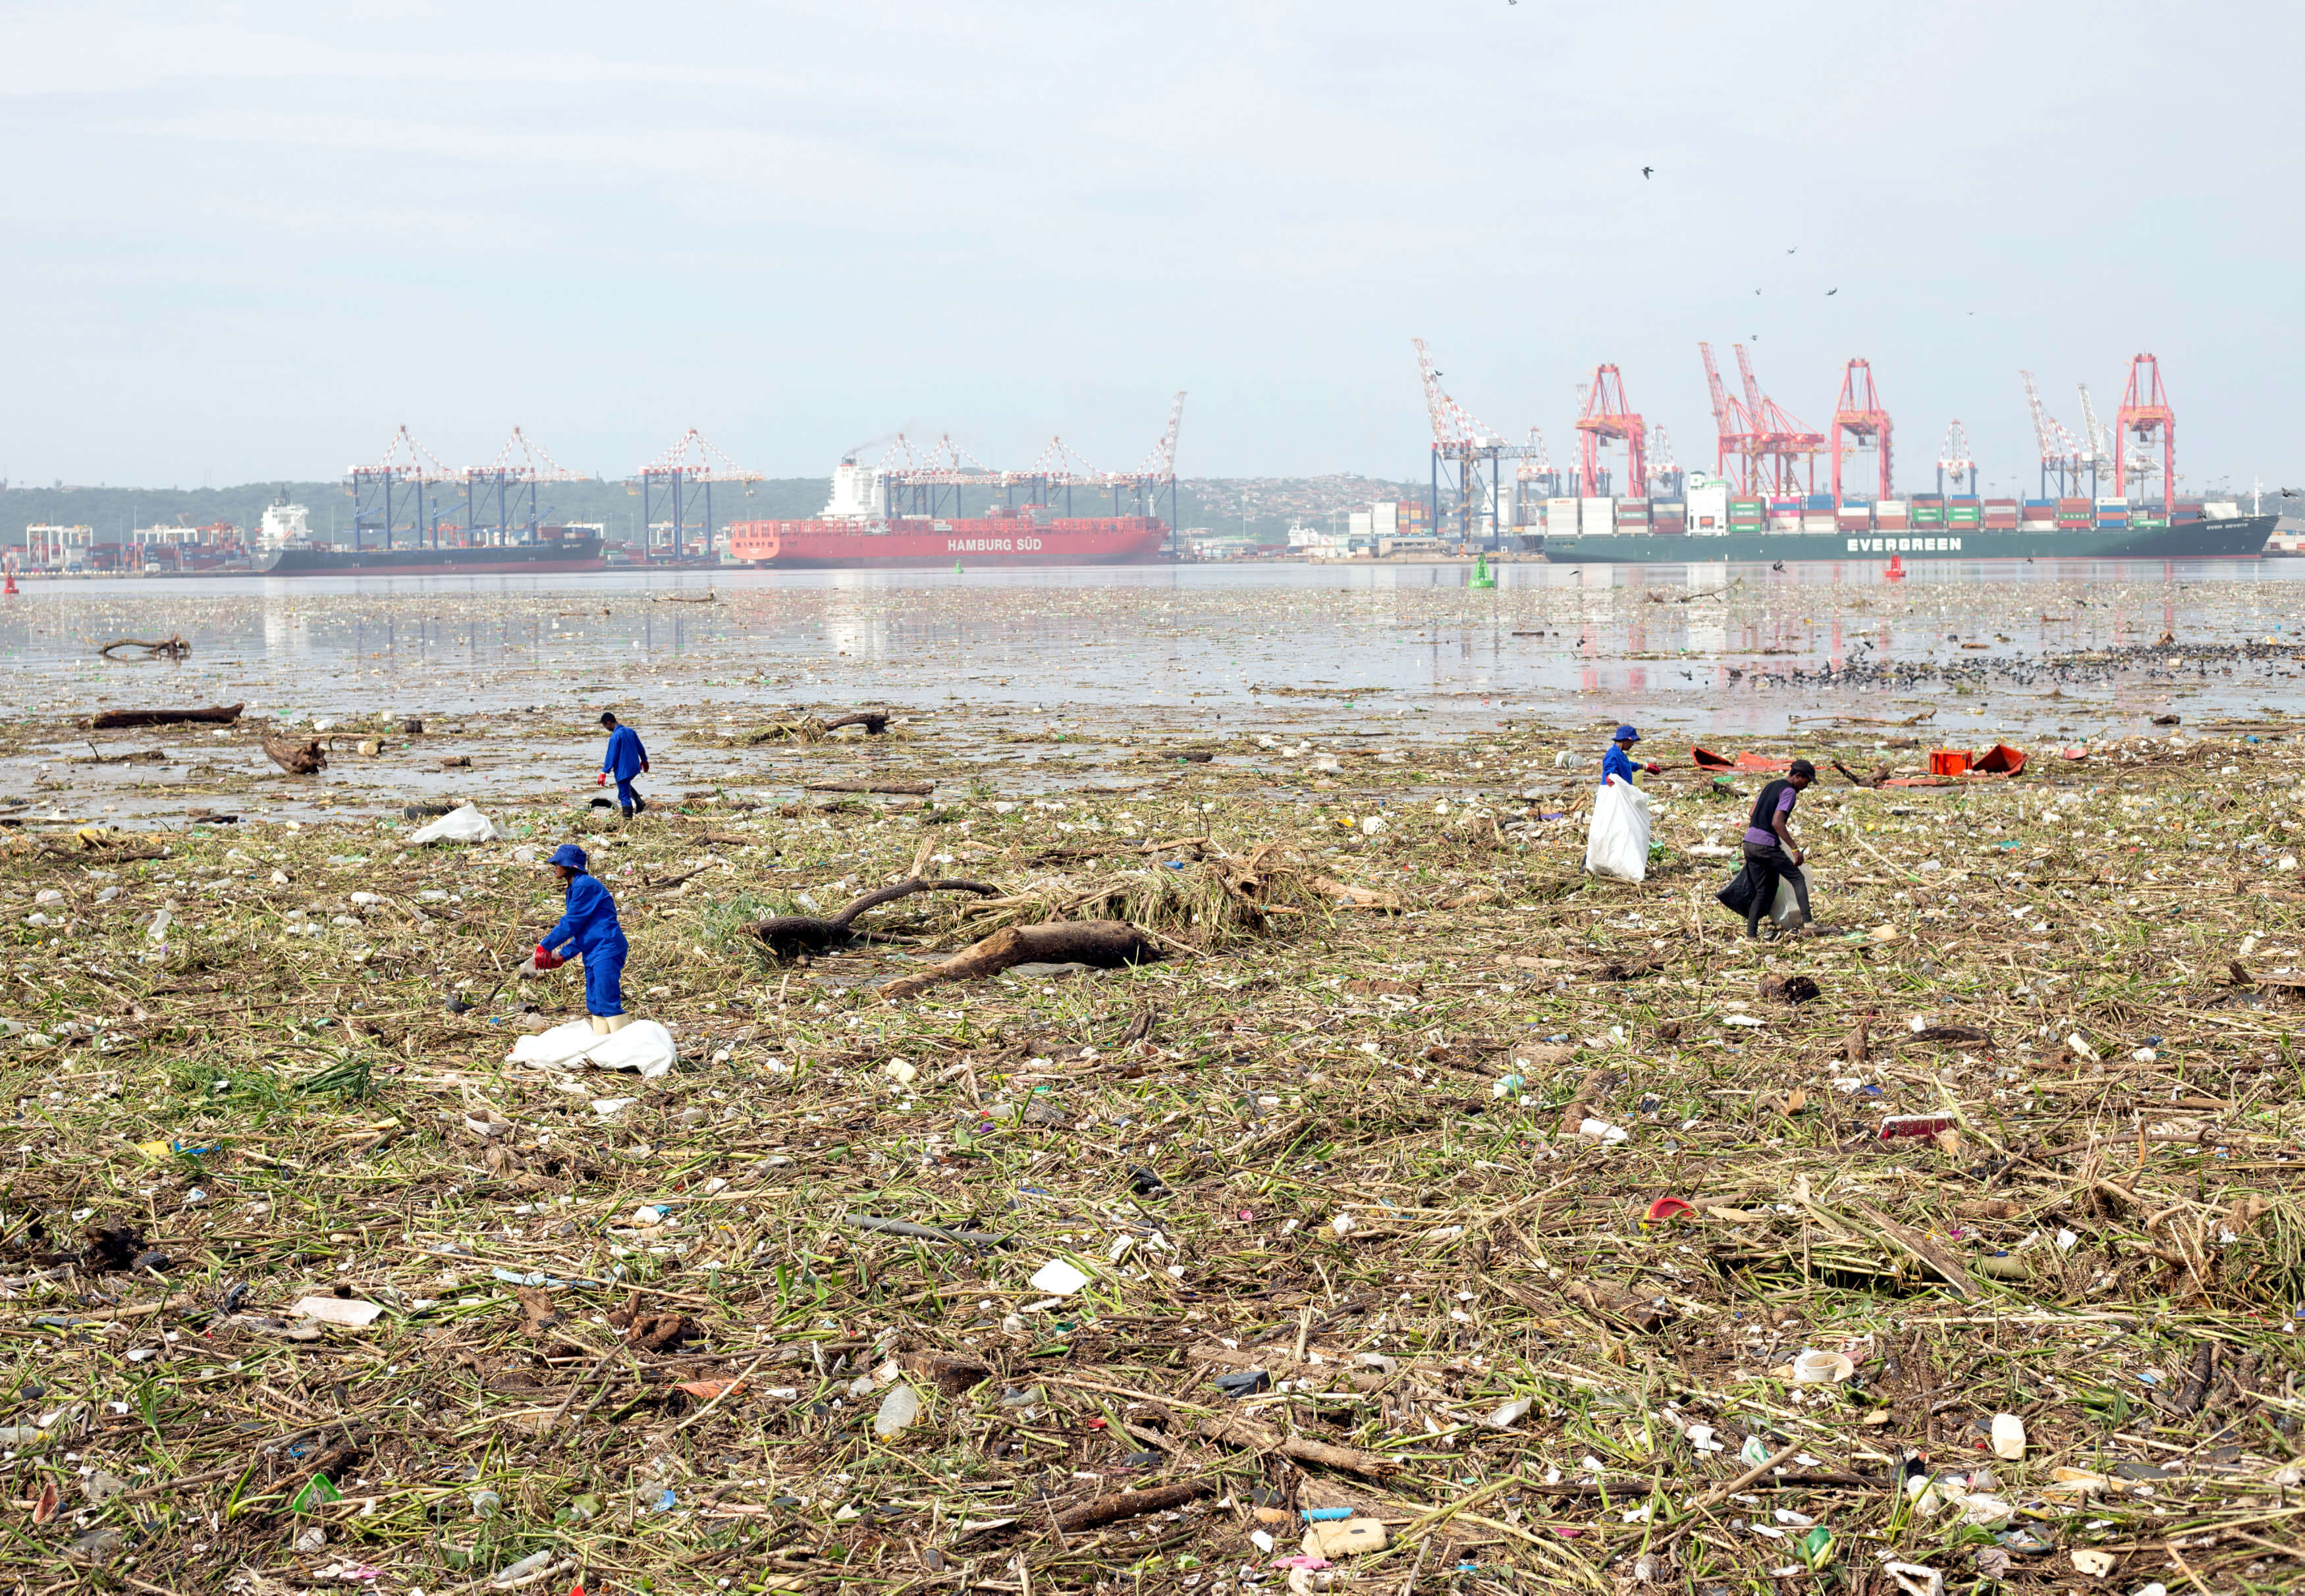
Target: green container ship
point(2228, 538)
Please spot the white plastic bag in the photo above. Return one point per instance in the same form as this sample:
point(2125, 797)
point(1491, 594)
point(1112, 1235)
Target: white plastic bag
point(1617, 844)
point(464, 825)
point(1785, 907)
point(643, 1047)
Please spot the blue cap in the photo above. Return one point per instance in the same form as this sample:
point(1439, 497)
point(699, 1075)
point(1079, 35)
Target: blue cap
point(1626, 733)
point(569, 854)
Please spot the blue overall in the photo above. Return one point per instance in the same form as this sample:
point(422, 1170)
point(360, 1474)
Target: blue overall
point(623, 759)
point(591, 929)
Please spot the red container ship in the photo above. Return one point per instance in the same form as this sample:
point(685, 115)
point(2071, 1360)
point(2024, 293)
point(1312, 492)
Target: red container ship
point(855, 533)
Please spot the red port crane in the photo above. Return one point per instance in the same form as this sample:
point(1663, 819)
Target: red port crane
point(2144, 413)
point(1859, 419)
point(1608, 418)
point(1778, 446)
point(1732, 428)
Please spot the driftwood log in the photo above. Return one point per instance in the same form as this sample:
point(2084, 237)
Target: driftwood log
point(1105, 943)
point(788, 935)
point(873, 721)
point(171, 648)
point(914, 789)
point(112, 720)
point(297, 756)
point(1134, 1504)
point(1263, 1438)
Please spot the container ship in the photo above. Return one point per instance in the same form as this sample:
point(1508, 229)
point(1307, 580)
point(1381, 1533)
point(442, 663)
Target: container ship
point(1713, 525)
point(553, 549)
point(856, 530)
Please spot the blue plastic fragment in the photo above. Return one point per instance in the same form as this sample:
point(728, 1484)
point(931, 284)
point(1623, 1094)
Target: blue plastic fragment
point(1318, 1515)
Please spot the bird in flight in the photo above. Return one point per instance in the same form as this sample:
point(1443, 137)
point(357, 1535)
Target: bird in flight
point(1646, 170)
point(1794, 251)
point(1831, 291)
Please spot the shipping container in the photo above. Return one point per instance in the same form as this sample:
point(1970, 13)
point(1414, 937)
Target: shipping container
point(1816, 501)
point(1890, 507)
point(1894, 520)
point(1853, 521)
point(1596, 516)
point(1560, 518)
point(2073, 504)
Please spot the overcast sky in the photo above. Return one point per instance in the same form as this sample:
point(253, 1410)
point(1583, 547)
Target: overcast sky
point(249, 240)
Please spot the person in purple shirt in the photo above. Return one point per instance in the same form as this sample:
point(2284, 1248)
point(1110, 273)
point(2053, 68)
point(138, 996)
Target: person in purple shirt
point(1770, 851)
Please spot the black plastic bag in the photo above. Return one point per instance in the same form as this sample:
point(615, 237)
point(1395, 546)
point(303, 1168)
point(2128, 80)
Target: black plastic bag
point(1737, 897)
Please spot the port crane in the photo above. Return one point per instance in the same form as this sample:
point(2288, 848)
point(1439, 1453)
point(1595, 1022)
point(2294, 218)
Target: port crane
point(1858, 421)
point(681, 479)
point(1779, 447)
point(1955, 460)
point(2144, 416)
point(1732, 428)
point(520, 465)
point(1464, 451)
point(412, 470)
point(2096, 443)
point(2060, 451)
point(1608, 418)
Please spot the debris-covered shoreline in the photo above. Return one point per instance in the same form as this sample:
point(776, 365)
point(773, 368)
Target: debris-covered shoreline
point(1359, 1199)
point(1374, 1187)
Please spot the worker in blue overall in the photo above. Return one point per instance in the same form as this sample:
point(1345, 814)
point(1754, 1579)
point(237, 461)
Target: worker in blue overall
point(625, 759)
point(1619, 760)
point(590, 930)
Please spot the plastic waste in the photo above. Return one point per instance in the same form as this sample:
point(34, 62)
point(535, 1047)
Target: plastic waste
point(898, 1409)
point(1508, 1413)
point(1343, 1540)
point(1617, 841)
point(1813, 1368)
point(512, 1574)
point(466, 824)
point(642, 1047)
point(1058, 1278)
point(1915, 1579)
point(2090, 1561)
point(2008, 1437)
point(349, 1311)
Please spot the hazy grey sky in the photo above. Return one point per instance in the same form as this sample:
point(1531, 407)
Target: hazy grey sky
point(249, 240)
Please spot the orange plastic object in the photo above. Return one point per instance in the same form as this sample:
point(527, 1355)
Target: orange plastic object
point(1707, 759)
point(1949, 761)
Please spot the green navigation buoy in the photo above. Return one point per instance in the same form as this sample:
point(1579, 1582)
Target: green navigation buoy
point(1481, 577)
point(956, 568)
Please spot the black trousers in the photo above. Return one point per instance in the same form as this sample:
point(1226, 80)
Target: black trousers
point(1769, 865)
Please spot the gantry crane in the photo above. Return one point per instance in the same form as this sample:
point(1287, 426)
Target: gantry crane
point(1859, 419)
point(2145, 414)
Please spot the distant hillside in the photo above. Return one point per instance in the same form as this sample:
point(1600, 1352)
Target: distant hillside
point(1260, 504)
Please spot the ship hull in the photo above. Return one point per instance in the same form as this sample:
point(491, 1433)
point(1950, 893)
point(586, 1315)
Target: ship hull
point(2236, 538)
point(515, 559)
point(900, 546)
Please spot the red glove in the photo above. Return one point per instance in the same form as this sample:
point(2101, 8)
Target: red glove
point(603, 781)
point(546, 960)
point(1653, 769)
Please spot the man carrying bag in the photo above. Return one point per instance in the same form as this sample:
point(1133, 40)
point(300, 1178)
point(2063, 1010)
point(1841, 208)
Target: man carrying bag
point(1771, 855)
